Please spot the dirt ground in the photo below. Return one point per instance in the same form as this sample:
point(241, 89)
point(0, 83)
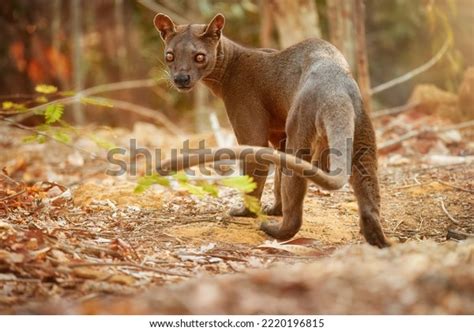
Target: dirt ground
point(90, 238)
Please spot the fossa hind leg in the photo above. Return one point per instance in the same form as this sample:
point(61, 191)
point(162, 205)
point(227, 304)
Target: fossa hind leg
point(293, 191)
point(366, 188)
point(293, 188)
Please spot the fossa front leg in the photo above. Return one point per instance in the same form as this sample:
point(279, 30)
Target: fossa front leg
point(250, 129)
point(278, 141)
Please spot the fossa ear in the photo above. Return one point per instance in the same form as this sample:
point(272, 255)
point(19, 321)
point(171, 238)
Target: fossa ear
point(165, 25)
point(214, 28)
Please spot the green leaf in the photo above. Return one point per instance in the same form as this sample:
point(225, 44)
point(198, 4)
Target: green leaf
point(194, 189)
point(53, 113)
point(210, 189)
point(41, 99)
point(39, 112)
point(29, 139)
point(181, 177)
point(96, 102)
point(41, 139)
point(145, 182)
point(7, 105)
point(252, 204)
point(43, 127)
point(46, 89)
point(244, 184)
point(67, 93)
point(102, 143)
point(62, 137)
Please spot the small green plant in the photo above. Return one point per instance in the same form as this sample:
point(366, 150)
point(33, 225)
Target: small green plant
point(54, 127)
point(201, 188)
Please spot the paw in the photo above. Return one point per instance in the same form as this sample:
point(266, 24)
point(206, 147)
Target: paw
point(372, 231)
point(242, 212)
point(275, 230)
point(274, 210)
point(270, 227)
point(378, 239)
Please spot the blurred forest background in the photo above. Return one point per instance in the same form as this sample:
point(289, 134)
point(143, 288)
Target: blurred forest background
point(76, 44)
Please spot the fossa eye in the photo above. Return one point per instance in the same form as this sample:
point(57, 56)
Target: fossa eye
point(169, 57)
point(200, 58)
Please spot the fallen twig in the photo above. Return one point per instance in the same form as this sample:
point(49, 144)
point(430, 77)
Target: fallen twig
point(394, 110)
point(5, 176)
point(454, 186)
point(130, 265)
point(13, 195)
point(219, 256)
point(455, 221)
point(458, 235)
point(97, 250)
point(396, 226)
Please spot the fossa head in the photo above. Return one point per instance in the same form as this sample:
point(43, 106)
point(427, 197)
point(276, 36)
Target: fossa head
point(190, 50)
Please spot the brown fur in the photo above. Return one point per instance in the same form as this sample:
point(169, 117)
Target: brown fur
point(299, 99)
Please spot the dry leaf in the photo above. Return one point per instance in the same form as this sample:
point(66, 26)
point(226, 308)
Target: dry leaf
point(11, 258)
point(301, 241)
point(294, 249)
point(39, 253)
point(5, 277)
point(89, 273)
point(59, 255)
point(122, 279)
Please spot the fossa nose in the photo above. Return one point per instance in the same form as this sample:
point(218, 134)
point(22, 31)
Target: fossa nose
point(182, 80)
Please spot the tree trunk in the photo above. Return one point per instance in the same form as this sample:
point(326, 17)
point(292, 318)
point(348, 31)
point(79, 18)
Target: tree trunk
point(363, 77)
point(266, 24)
point(119, 17)
point(78, 74)
point(56, 24)
point(341, 28)
point(295, 20)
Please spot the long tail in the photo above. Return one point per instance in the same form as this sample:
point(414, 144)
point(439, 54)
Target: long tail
point(261, 155)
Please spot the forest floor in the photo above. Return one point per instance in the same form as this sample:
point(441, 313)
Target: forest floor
point(70, 234)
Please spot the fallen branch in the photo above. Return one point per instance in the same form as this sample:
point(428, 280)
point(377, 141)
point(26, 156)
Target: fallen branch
point(409, 75)
point(394, 110)
point(413, 134)
point(455, 187)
